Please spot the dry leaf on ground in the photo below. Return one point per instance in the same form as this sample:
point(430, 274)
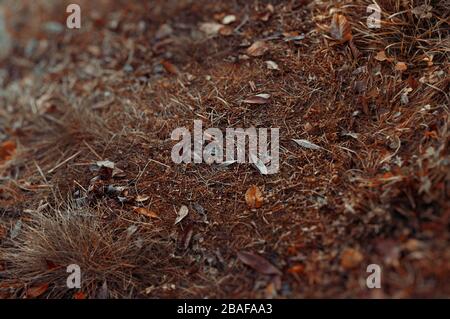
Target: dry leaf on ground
point(351, 258)
point(79, 295)
point(340, 28)
point(258, 48)
point(401, 66)
point(7, 150)
point(146, 212)
point(182, 213)
point(169, 67)
point(307, 144)
point(271, 65)
point(258, 99)
point(258, 263)
point(254, 197)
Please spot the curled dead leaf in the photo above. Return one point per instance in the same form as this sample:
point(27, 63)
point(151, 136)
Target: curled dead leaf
point(254, 197)
point(259, 48)
point(146, 212)
point(258, 263)
point(340, 28)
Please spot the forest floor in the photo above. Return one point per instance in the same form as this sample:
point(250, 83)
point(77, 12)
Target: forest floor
point(86, 175)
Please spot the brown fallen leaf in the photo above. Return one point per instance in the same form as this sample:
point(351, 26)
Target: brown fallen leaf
point(340, 28)
point(258, 99)
point(381, 56)
point(141, 198)
point(258, 263)
point(401, 66)
point(259, 48)
point(169, 67)
point(254, 197)
point(351, 258)
point(7, 150)
point(146, 212)
point(36, 291)
point(79, 295)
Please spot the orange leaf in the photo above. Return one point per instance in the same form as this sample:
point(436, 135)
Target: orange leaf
point(146, 212)
point(401, 66)
point(297, 269)
point(7, 150)
point(351, 258)
point(79, 295)
point(36, 291)
point(340, 28)
point(254, 197)
point(169, 67)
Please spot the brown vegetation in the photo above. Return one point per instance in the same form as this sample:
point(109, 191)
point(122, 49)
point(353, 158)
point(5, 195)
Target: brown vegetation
point(376, 189)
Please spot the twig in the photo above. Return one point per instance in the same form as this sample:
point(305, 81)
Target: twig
point(64, 162)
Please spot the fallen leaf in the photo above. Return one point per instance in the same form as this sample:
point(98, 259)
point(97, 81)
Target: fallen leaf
point(297, 269)
point(107, 164)
point(340, 28)
point(307, 144)
point(351, 258)
point(79, 295)
point(228, 19)
point(258, 99)
point(182, 213)
point(401, 66)
point(258, 48)
point(146, 212)
point(169, 67)
point(36, 291)
point(210, 28)
point(7, 150)
point(254, 197)
point(381, 56)
point(258, 263)
point(141, 198)
point(272, 65)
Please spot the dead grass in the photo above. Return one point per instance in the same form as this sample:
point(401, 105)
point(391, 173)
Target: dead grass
point(379, 188)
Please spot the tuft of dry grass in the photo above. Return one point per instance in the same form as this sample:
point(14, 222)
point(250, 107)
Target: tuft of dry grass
point(55, 238)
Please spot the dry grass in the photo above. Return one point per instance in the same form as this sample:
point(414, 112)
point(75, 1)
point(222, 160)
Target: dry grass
point(380, 187)
point(53, 239)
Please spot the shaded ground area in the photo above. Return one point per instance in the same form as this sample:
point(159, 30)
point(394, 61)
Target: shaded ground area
point(375, 192)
